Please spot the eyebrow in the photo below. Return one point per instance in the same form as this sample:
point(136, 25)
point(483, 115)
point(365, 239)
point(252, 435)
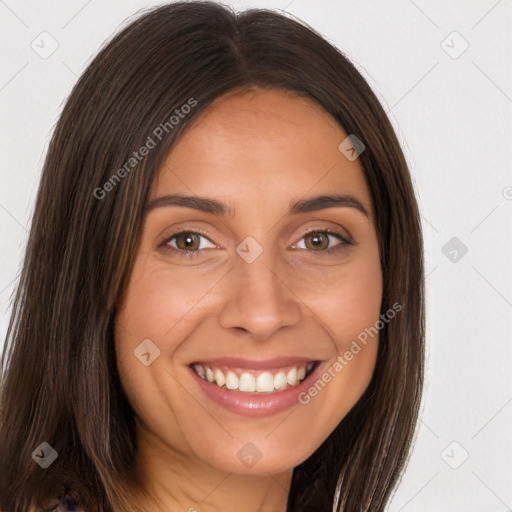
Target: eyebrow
point(209, 205)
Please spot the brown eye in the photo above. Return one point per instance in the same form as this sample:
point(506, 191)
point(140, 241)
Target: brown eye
point(322, 241)
point(187, 241)
point(319, 240)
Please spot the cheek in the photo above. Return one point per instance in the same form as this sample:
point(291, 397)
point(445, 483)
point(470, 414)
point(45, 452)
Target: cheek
point(348, 301)
point(157, 301)
point(153, 307)
point(347, 312)
point(159, 306)
point(355, 305)
point(162, 306)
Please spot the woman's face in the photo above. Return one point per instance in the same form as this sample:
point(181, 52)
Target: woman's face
point(262, 292)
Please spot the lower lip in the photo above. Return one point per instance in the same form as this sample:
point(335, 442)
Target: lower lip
point(252, 404)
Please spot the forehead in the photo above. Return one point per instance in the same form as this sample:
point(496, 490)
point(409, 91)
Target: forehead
point(261, 146)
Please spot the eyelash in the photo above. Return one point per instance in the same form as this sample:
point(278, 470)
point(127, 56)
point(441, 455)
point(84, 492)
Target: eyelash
point(163, 244)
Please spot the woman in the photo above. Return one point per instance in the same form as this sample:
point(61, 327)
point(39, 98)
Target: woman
point(221, 303)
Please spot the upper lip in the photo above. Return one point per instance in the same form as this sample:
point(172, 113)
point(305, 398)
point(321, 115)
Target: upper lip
point(255, 364)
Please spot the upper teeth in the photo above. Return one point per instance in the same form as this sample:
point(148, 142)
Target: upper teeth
point(264, 382)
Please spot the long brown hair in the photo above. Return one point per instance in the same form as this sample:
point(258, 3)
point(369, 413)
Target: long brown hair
point(59, 382)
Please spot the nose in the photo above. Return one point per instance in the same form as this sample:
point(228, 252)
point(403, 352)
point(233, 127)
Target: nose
point(259, 300)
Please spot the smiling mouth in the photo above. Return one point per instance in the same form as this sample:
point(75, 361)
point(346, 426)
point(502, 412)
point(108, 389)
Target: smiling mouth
point(255, 381)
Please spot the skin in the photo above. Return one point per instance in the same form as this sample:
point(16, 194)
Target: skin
point(256, 151)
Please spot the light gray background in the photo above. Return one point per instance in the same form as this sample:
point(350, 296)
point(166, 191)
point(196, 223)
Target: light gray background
point(453, 116)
